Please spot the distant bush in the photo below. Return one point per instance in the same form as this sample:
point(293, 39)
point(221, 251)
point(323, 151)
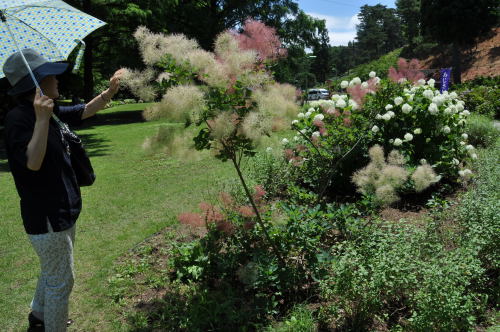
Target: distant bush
point(481, 131)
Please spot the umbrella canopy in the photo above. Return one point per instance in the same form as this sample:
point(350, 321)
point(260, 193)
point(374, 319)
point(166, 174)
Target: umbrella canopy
point(51, 27)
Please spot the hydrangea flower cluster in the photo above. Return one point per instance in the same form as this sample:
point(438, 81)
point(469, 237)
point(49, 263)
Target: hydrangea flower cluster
point(425, 124)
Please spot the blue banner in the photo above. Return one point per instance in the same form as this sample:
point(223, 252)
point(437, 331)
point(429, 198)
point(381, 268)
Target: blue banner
point(445, 79)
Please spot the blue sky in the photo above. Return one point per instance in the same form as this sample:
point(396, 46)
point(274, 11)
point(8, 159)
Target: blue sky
point(340, 15)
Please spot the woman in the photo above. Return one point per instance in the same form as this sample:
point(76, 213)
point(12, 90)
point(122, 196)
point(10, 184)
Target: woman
point(50, 197)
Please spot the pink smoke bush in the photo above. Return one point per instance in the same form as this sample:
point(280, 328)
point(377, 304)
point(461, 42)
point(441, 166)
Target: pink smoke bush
point(406, 70)
point(260, 38)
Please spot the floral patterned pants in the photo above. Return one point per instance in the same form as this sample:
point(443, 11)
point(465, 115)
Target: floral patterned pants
point(55, 250)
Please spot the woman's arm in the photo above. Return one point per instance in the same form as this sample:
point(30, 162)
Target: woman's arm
point(99, 102)
point(37, 147)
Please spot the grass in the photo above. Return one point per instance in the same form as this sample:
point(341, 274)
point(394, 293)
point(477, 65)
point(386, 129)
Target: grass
point(135, 195)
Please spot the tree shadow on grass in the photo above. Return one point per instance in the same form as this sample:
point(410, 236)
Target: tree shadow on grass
point(94, 145)
point(113, 118)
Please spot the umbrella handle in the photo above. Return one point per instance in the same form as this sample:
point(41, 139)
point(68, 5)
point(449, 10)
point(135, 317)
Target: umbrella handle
point(4, 20)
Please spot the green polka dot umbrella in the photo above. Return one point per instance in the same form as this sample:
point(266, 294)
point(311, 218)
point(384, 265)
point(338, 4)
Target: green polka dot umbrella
point(51, 27)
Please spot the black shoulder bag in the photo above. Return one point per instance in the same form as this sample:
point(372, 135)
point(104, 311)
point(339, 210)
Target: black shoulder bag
point(80, 162)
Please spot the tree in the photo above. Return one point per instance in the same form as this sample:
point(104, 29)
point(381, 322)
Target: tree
point(458, 23)
point(299, 33)
point(112, 47)
point(409, 12)
point(378, 32)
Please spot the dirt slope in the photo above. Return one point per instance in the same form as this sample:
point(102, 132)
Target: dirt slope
point(481, 60)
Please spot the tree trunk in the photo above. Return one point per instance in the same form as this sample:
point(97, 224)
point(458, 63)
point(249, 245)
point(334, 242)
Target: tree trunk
point(88, 77)
point(457, 68)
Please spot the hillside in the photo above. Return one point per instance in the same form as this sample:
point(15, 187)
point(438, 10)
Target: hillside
point(480, 60)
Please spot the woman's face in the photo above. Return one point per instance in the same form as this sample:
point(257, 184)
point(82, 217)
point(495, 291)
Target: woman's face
point(49, 87)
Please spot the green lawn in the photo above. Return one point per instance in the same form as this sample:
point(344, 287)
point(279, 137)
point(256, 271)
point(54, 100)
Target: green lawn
point(135, 195)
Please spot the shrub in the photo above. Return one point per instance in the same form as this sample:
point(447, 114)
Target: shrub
point(478, 215)
point(484, 100)
point(402, 276)
point(481, 131)
point(425, 126)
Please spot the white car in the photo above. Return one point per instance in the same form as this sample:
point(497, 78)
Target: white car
point(316, 94)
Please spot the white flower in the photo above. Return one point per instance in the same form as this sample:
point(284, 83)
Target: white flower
point(433, 108)
point(386, 116)
point(455, 162)
point(410, 97)
point(356, 80)
point(447, 110)
point(446, 129)
point(469, 147)
point(438, 100)
point(465, 136)
point(295, 122)
point(397, 142)
point(375, 129)
point(341, 103)
point(417, 131)
point(428, 94)
point(398, 101)
point(406, 108)
point(465, 172)
point(408, 137)
point(391, 113)
point(462, 122)
point(372, 74)
point(431, 82)
point(303, 131)
point(319, 117)
point(300, 115)
point(473, 156)
point(364, 85)
point(388, 107)
point(377, 80)
point(308, 114)
point(459, 107)
point(311, 110)
point(453, 95)
point(269, 149)
point(391, 141)
point(423, 161)
point(344, 84)
point(378, 117)
point(335, 97)
point(465, 113)
point(296, 138)
point(353, 104)
point(284, 141)
point(316, 134)
point(421, 81)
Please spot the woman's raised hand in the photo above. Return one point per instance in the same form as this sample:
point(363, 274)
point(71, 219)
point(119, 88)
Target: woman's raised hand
point(44, 106)
point(114, 82)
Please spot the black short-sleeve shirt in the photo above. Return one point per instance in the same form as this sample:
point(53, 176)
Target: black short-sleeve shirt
point(50, 194)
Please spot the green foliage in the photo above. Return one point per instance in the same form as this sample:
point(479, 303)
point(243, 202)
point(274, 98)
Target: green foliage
point(380, 66)
point(300, 319)
point(403, 276)
point(378, 32)
point(478, 213)
point(481, 130)
point(483, 100)
point(241, 259)
point(409, 11)
point(443, 20)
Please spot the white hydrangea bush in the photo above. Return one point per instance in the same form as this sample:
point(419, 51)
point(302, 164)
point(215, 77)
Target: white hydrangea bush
point(424, 124)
